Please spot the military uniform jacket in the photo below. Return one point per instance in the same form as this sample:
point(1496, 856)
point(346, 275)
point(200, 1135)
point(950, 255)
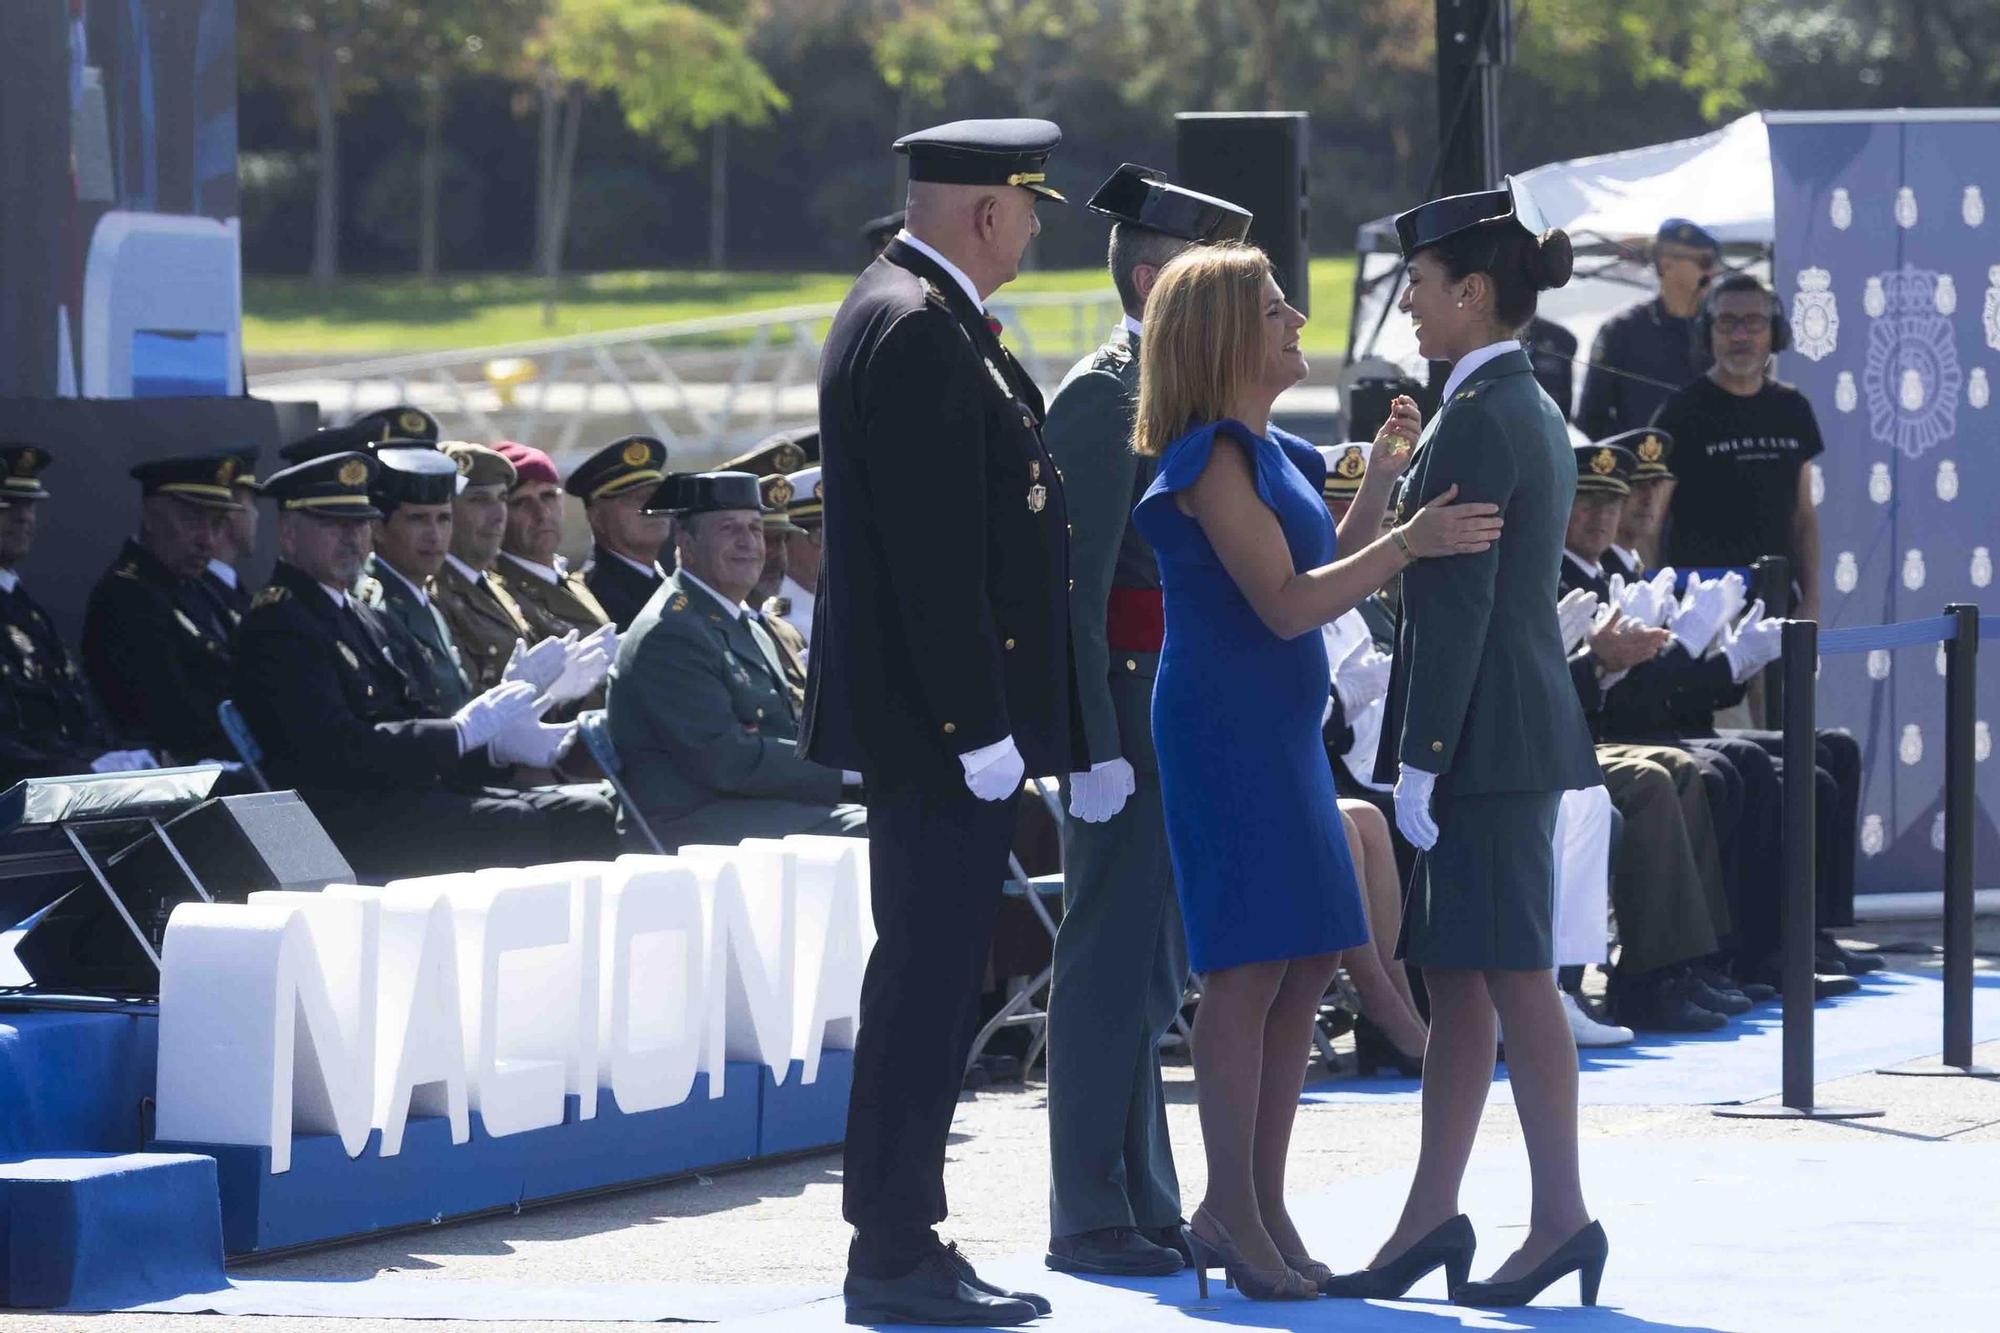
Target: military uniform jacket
point(1480, 692)
point(158, 658)
point(704, 723)
point(1642, 340)
point(942, 623)
point(322, 693)
point(791, 646)
point(1089, 434)
point(620, 590)
point(421, 642)
point(485, 621)
point(1674, 693)
point(230, 600)
point(552, 608)
point(49, 724)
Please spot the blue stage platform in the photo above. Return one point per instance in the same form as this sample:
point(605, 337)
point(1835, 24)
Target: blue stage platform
point(74, 1082)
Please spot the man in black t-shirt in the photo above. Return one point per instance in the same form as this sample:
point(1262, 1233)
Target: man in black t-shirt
point(1648, 350)
point(1742, 445)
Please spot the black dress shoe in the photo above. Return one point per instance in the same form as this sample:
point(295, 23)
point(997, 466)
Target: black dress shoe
point(1827, 949)
point(963, 1267)
point(931, 1293)
point(1113, 1252)
point(1658, 1001)
point(1172, 1238)
point(1729, 1003)
point(1825, 985)
point(1721, 978)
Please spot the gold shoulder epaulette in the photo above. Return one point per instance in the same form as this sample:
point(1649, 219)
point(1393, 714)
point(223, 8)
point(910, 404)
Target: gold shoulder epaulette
point(778, 606)
point(679, 602)
point(270, 595)
point(1464, 394)
point(369, 590)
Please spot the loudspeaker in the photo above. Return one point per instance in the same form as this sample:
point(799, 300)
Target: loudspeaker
point(1256, 159)
point(235, 846)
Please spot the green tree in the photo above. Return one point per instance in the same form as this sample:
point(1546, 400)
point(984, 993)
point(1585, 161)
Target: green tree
point(676, 69)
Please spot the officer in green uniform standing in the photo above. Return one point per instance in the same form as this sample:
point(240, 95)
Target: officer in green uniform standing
point(1121, 954)
point(705, 722)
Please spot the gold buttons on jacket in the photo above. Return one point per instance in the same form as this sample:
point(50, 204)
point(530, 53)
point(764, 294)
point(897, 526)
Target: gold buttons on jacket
point(950, 728)
point(1131, 664)
point(760, 712)
point(1009, 645)
point(1437, 747)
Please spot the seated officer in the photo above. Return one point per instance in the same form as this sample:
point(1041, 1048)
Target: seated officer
point(554, 600)
point(221, 580)
point(485, 620)
point(156, 648)
point(400, 792)
point(705, 724)
point(356, 436)
point(799, 589)
point(49, 724)
point(401, 422)
point(779, 529)
point(413, 489)
point(614, 484)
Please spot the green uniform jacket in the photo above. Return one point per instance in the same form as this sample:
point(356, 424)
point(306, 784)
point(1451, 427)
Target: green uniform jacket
point(706, 726)
point(1481, 692)
point(421, 641)
point(1088, 432)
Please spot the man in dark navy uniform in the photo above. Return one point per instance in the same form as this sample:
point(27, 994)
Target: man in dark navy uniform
point(1648, 350)
point(941, 671)
point(626, 538)
point(400, 791)
point(222, 581)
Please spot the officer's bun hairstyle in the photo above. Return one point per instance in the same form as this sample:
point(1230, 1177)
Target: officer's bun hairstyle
point(1517, 264)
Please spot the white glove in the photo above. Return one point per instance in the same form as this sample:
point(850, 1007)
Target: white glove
point(994, 772)
point(1361, 677)
point(530, 741)
point(540, 666)
point(1733, 598)
point(1099, 794)
point(1697, 618)
point(1413, 807)
point(491, 713)
point(585, 662)
point(123, 761)
point(1576, 613)
point(1754, 643)
point(1663, 596)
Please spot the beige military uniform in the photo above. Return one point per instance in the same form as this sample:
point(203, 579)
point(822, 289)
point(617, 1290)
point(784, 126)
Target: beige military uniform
point(485, 621)
point(552, 608)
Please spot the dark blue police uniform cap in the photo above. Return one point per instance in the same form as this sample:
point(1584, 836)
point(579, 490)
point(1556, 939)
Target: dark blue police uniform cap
point(985, 152)
point(401, 422)
point(1604, 468)
point(1651, 447)
point(1144, 197)
point(1680, 231)
point(335, 486)
point(20, 472)
point(203, 479)
point(627, 462)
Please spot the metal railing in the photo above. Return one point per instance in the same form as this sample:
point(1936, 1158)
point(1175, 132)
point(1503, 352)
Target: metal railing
point(708, 387)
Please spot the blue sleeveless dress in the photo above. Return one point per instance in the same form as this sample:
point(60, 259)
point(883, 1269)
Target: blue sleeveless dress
point(1259, 854)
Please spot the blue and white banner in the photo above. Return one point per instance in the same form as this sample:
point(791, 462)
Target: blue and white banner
point(1889, 265)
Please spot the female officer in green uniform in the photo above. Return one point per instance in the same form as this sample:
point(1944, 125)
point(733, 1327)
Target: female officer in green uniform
point(1482, 735)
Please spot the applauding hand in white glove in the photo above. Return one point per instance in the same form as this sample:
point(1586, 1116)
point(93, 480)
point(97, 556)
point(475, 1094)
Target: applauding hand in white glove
point(1575, 614)
point(585, 662)
point(540, 666)
point(994, 772)
point(491, 713)
point(1699, 615)
point(1754, 643)
point(1361, 677)
point(1413, 807)
point(532, 742)
point(1099, 794)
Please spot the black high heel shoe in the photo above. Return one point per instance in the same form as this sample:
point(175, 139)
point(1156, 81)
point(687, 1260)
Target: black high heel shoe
point(1583, 1254)
point(1374, 1051)
point(1449, 1246)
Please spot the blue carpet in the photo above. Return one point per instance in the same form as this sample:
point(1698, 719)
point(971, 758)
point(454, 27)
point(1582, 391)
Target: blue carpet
point(1706, 1237)
point(1895, 1017)
point(405, 1297)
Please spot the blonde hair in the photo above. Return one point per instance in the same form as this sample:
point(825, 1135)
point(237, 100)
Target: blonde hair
point(1202, 341)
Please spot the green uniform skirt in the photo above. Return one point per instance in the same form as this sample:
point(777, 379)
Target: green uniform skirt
point(1484, 897)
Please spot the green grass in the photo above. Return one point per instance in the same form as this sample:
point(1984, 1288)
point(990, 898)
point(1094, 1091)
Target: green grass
point(383, 316)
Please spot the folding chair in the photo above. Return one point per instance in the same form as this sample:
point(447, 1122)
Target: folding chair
point(595, 728)
point(1028, 1005)
point(238, 732)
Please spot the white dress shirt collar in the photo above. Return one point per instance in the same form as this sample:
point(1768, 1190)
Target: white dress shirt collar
point(931, 253)
point(1131, 326)
point(650, 571)
point(741, 609)
point(542, 572)
point(339, 595)
point(467, 572)
point(1593, 568)
point(1631, 558)
point(223, 570)
point(1472, 361)
point(9, 580)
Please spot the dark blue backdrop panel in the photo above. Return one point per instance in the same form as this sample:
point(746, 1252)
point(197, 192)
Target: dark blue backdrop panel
point(74, 1082)
point(1890, 267)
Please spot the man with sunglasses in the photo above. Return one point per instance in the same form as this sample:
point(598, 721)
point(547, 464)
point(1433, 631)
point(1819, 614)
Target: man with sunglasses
point(1646, 351)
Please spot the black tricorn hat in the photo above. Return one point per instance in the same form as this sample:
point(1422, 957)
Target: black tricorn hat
point(417, 474)
point(1145, 198)
point(706, 492)
point(1440, 219)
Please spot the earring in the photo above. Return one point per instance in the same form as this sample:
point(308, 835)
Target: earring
point(1461, 305)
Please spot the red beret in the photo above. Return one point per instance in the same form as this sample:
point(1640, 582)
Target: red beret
point(530, 463)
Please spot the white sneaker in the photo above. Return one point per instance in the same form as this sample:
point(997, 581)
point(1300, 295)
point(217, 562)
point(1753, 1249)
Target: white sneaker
point(1587, 1030)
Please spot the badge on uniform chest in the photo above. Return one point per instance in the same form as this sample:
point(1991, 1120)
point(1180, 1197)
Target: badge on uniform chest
point(347, 656)
point(1038, 494)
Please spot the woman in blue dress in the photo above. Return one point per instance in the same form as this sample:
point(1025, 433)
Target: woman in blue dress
point(1247, 566)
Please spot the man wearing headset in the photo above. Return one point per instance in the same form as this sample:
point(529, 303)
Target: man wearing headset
point(1647, 350)
point(1742, 444)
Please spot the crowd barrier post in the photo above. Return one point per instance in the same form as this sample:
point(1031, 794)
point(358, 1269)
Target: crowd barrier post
point(1800, 661)
point(1771, 579)
point(1961, 674)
